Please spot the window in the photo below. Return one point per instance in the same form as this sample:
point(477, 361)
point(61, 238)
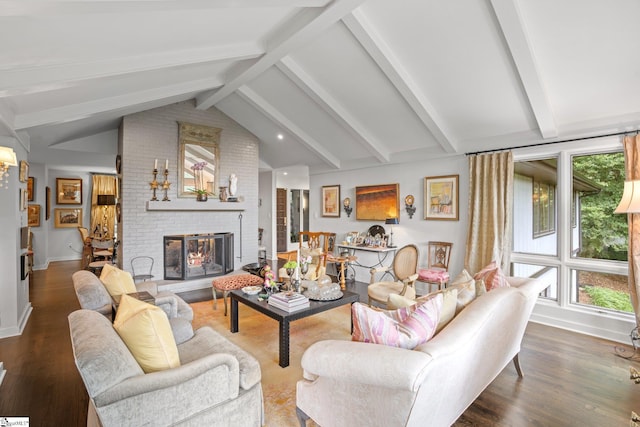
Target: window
point(544, 209)
point(566, 201)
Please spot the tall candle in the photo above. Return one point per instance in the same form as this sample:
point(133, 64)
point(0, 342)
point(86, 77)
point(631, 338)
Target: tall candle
point(155, 164)
point(166, 164)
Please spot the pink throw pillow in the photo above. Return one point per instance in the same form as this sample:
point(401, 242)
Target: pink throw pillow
point(492, 276)
point(406, 327)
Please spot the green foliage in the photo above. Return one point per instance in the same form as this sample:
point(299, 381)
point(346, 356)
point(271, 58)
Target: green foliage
point(609, 298)
point(604, 234)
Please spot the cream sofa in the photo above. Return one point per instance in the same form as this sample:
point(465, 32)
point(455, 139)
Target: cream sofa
point(350, 383)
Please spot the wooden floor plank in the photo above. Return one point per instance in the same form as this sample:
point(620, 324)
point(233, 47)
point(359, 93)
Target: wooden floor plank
point(570, 379)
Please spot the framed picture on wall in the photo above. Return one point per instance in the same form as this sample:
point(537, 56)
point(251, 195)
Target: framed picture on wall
point(24, 171)
point(441, 197)
point(31, 188)
point(377, 202)
point(33, 214)
point(68, 217)
point(22, 202)
point(69, 191)
point(331, 201)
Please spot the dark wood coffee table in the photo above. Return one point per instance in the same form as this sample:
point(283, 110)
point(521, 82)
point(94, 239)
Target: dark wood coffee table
point(283, 317)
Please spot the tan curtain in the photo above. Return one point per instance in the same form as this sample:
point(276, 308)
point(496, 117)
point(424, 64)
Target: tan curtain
point(102, 184)
point(490, 210)
point(632, 166)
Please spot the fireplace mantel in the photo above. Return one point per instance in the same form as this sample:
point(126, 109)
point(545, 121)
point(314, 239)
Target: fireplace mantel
point(192, 205)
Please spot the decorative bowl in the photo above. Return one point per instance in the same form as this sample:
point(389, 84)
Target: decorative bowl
point(252, 290)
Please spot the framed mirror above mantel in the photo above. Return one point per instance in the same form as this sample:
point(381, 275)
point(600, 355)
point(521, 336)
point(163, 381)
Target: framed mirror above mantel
point(198, 159)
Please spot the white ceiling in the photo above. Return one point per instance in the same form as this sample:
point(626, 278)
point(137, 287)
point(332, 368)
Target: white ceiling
point(349, 83)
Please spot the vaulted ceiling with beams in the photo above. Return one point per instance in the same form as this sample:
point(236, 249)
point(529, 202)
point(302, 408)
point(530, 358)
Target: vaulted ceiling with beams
point(347, 83)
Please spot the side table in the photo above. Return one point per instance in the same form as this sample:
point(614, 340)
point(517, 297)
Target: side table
point(342, 260)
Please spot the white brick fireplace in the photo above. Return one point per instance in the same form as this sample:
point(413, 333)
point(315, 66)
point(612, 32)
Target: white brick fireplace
point(153, 134)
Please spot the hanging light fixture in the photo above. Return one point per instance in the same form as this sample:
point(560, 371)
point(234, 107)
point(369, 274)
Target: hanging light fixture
point(7, 158)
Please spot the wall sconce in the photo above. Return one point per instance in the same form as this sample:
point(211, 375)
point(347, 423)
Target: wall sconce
point(7, 158)
point(408, 202)
point(347, 206)
point(391, 222)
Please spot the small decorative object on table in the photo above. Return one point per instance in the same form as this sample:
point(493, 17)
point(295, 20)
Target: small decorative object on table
point(198, 178)
point(323, 290)
point(270, 284)
point(252, 290)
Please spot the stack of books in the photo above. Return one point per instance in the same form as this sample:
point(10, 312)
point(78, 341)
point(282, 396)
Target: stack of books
point(288, 301)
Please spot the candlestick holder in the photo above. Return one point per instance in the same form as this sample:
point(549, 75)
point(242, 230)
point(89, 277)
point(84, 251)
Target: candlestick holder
point(154, 185)
point(165, 186)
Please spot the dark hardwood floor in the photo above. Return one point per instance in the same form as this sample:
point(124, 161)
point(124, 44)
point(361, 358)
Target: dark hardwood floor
point(570, 379)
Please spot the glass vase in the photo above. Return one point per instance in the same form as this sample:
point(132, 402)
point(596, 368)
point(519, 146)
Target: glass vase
point(201, 197)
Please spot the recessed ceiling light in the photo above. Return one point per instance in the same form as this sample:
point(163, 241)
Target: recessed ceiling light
point(280, 136)
point(285, 173)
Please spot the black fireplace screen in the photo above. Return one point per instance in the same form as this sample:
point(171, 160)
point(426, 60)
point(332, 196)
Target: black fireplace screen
point(192, 256)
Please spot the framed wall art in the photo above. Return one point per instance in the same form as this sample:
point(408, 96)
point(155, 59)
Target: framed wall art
point(22, 202)
point(47, 203)
point(377, 202)
point(24, 171)
point(31, 188)
point(69, 191)
point(441, 197)
point(33, 214)
point(331, 201)
point(68, 217)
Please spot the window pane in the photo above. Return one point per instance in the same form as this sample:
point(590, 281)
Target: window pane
point(534, 187)
point(547, 274)
point(603, 290)
point(598, 181)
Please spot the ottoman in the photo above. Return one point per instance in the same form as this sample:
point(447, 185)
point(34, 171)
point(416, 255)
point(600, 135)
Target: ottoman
point(225, 284)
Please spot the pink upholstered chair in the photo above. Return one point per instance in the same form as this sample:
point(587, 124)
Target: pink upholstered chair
point(437, 272)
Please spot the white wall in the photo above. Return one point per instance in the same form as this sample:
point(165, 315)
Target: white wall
point(410, 177)
point(14, 292)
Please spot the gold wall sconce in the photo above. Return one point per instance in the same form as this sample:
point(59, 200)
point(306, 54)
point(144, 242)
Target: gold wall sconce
point(408, 205)
point(346, 203)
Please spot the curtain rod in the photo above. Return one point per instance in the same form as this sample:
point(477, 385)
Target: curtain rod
point(584, 138)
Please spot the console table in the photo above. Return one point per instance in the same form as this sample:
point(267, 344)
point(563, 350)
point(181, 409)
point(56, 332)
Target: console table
point(382, 254)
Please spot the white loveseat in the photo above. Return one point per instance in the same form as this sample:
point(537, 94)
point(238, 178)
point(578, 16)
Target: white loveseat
point(350, 383)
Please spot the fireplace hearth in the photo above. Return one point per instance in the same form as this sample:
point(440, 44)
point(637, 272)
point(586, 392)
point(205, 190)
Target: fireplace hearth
point(192, 256)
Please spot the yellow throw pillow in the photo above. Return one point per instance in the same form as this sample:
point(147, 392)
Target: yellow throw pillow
point(146, 331)
point(117, 281)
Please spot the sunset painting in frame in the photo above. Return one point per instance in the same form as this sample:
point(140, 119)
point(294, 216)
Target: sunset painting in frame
point(377, 202)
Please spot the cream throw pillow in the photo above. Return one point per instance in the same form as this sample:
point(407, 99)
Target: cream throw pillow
point(146, 331)
point(117, 281)
point(466, 286)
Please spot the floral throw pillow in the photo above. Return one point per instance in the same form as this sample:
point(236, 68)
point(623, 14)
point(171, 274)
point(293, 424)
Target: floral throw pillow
point(406, 327)
point(492, 276)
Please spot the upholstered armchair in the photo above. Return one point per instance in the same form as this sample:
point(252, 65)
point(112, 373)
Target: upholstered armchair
point(404, 274)
point(216, 384)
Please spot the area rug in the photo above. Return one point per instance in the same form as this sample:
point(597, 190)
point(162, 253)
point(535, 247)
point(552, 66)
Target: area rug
point(258, 335)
